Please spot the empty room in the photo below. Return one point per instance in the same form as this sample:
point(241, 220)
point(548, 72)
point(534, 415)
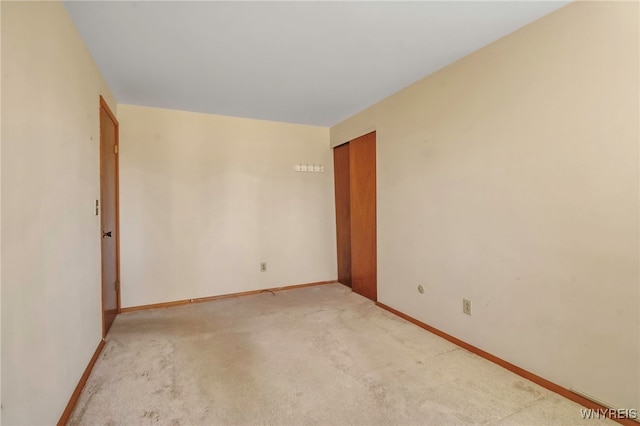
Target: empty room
point(327, 213)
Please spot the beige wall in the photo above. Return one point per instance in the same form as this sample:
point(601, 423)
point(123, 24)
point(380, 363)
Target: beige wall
point(51, 322)
point(511, 178)
point(206, 198)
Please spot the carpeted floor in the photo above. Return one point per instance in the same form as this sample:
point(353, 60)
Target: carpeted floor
point(311, 356)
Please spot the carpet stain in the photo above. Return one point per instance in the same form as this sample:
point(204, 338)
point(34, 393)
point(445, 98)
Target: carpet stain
point(151, 415)
point(527, 387)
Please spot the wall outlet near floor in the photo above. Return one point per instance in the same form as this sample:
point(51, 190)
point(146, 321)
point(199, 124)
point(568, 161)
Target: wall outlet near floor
point(420, 289)
point(263, 267)
point(466, 306)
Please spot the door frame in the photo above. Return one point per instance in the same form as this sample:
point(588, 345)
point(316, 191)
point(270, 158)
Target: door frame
point(104, 106)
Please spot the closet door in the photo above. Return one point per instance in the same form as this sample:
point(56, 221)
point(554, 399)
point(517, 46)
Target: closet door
point(362, 177)
point(343, 209)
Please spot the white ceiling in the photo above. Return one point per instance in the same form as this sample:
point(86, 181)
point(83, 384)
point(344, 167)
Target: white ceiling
point(301, 62)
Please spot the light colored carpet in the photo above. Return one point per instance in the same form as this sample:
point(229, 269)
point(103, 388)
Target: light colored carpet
point(312, 356)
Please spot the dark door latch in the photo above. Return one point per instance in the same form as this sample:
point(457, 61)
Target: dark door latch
point(106, 234)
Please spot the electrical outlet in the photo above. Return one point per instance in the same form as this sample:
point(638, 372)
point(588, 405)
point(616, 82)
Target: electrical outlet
point(263, 267)
point(420, 289)
point(466, 306)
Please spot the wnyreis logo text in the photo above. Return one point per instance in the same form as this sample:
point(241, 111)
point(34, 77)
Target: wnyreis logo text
point(612, 413)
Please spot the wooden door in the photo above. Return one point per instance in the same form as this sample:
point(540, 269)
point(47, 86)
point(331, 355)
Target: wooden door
point(109, 216)
point(362, 177)
point(343, 212)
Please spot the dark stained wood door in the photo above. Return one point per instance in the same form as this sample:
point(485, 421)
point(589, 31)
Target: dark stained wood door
point(341, 167)
point(109, 216)
point(362, 177)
